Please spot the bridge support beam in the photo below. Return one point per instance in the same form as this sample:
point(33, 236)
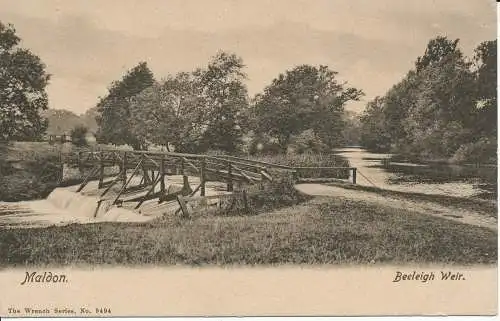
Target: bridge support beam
point(202, 176)
point(162, 174)
point(230, 177)
point(101, 173)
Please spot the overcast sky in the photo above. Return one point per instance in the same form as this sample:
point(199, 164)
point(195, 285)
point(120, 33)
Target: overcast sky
point(87, 44)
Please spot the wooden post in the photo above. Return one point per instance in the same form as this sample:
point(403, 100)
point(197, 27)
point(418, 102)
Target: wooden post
point(61, 169)
point(354, 176)
point(101, 172)
point(124, 167)
point(80, 167)
point(202, 177)
point(183, 206)
point(162, 174)
point(185, 178)
point(230, 177)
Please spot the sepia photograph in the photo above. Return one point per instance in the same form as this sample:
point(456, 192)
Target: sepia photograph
point(247, 139)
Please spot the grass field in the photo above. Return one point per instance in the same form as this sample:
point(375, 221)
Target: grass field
point(318, 231)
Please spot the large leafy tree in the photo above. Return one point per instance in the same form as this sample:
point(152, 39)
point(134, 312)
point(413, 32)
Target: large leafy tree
point(171, 113)
point(226, 99)
point(445, 108)
point(374, 130)
point(22, 89)
point(114, 109)
point(485, 63)
point(304, 98)
point(438, 49)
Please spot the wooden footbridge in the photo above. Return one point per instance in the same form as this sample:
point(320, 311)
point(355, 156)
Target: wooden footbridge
point(153, 168)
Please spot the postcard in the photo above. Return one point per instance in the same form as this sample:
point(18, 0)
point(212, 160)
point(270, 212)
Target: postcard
point(248, 158)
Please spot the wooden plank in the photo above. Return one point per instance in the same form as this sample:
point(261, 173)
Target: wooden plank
point(183, 206)
point(115, 180)
point(190, 164)
point(202, 177)
point(266, 175)
point(195, 190)
point(101, 173)
point(243, 164)
point(162, 174)
point(151, 190)
point(210, 197)
point(265, 164)
point(230, 178)
point(128, 181)
point(87, 179)
point(152, 160)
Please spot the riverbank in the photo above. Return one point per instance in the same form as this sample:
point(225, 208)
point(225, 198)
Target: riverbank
point(323, 230)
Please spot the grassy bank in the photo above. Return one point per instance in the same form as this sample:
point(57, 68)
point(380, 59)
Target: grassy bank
point(486, 207)
point(321, 231)
point(28, 170)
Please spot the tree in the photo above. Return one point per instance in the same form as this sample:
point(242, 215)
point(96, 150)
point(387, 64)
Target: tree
point(485, 63)
point(443, 109)
point(226, 100)
point(114, 109)
point(440, 119)
point(78, 135)
point(22, 89)
point(171, 113)
point(303, 98)
point(438, 49)
point(374, 133)
point(352, 129)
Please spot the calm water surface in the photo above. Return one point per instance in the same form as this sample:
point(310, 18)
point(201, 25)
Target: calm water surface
point(377, 169)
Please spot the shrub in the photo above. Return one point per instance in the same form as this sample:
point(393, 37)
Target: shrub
point(265, 197)
point(78, 135)
point(482, 151)
point(307, 142)
point(32, 176)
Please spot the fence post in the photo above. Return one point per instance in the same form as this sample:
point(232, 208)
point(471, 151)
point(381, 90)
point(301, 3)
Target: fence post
point(101, 171)
point(80, 167)
point(124, 167)
point(230, 177)
point(202, 177)
point(162, 174)
point(61, 169)
point(354, 175)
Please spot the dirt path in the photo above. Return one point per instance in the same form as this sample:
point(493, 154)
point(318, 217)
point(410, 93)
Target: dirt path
point(422, 207)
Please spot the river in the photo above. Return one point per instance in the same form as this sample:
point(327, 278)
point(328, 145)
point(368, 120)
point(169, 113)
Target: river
point(377, 169)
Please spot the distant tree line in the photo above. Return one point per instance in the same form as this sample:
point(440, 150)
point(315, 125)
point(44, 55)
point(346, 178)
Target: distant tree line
point(445, 108)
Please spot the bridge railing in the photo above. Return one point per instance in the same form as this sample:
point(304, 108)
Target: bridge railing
point(154, 166)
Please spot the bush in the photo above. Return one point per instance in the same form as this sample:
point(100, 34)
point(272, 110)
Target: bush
point(265, 197)
point(33, 176)
point(78, 135)
point(307, 142)
point(483, 151)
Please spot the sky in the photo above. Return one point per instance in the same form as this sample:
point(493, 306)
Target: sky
point(87, 44)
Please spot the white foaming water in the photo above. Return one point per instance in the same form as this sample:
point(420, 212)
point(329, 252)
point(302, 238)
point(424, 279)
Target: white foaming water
point(65, 206)
point(74, 203)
